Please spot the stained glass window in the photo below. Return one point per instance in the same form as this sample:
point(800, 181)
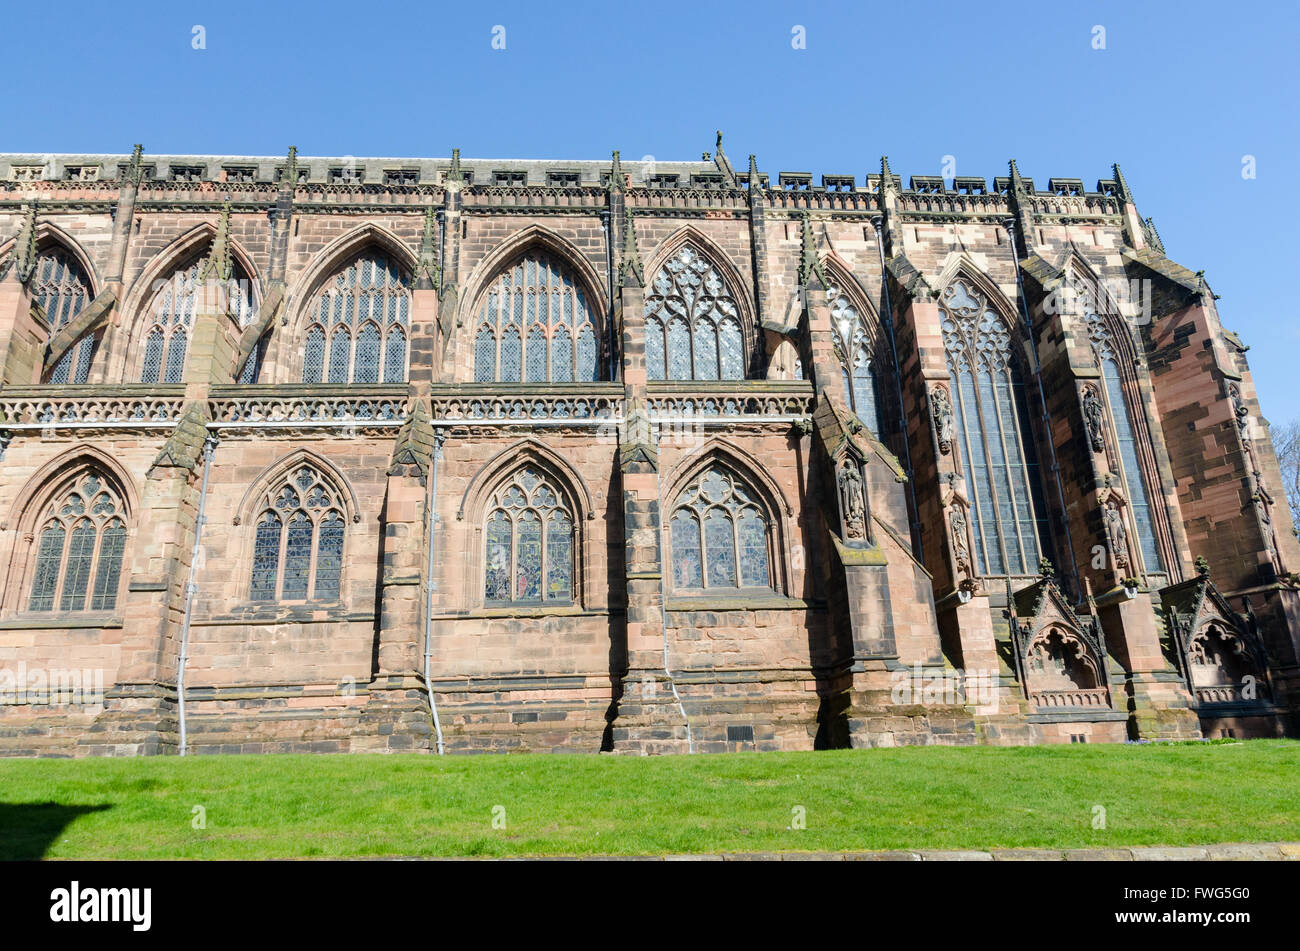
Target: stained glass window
point(1121, 420)
point(80, 547)
point(854, 348)
point(719, 535)
point(60, 286)
point(995, 440)
point(298, 540)
point(529, 543)
point(527, 324)
point(171, 316)
point(692, 323)
point(364, 312)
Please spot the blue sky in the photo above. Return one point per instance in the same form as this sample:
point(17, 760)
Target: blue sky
point(1181, 93)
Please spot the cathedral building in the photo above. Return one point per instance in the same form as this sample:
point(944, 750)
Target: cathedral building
point(313, 454)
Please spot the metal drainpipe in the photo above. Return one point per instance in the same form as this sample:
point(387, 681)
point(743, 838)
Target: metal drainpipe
point(209, 445)
point(605, 222)
point(431, 521)
point(1010, 225)
point(663, 613)
point(918, 549)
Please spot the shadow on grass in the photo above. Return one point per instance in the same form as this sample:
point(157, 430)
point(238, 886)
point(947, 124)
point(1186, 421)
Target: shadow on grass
point(28, 829)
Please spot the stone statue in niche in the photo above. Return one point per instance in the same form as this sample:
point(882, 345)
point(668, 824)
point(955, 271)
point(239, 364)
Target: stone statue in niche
point(941, 409)
point(852, 502)
point(961, 555)
point(1093, 414)
point(1117, 534)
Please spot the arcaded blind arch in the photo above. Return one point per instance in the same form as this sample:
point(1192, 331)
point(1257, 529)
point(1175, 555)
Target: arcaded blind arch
point(1121, 427)
point(170, 317)
point(1009, 521)
point(298, 538)
point(529, 542)
point(692, 322)
point(61, 288)
point(535, 326)
point(79, 547)
point(857, 360)
point(719, 535)
point(360, 324)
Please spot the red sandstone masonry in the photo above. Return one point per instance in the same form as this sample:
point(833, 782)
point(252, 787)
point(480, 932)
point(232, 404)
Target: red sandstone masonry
point(349, 674)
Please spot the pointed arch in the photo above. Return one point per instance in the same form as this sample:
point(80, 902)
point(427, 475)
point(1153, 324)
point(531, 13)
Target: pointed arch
point(75, 519)
point(525, 452)
point(841, 272)
point(996, 446)
point(282, 467)
point(575, 325)
point(168, 266)
point(514, 247)
point(725, 523)
point(1099, 300)
point(1116, 411)
point(297, 534)
point(49, 234)
point(350, 320)
point(525, 512)
point(335, 256)
point(30, 496)
point(866, 362)
point(960, 265)
point(64, 284)
point(741, 289)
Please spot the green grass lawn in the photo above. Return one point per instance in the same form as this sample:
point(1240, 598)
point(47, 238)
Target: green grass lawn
point(422, 805)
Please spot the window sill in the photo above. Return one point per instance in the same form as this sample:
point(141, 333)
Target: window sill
point(735, 602)
point(529, 610)
point(295, 611)
point(57, 622)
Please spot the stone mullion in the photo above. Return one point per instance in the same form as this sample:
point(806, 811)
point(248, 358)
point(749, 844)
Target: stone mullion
point(1163, 519)
point(1023, 466)
point(1121, 472)
point(988, 464)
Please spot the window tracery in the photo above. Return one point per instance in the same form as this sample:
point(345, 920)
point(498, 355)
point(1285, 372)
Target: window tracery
point(360, 324)
point(298, 539)
point(692, 322)
point(991, 420)
point(79, 547)
point(530, 542)
point(535, 326)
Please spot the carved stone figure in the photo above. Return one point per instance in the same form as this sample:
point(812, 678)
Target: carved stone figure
point(1240, 409)
point(852, 503)
point(1093, 414)
point(941, 409)
point(1118, 536)
point(961, 554)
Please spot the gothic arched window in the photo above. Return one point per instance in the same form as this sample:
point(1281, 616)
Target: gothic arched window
point(529, 543)
point(61, 288)
point(535, 327)
point(993, 431)
point(298, 540)
point(171, 315)
point(692, 324)
point(853, 347)
point(79, 547)
point(1121, 426)
point(719, 535)
point(360, 324)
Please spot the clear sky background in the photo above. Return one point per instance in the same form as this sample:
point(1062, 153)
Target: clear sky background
point(1180, 95)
